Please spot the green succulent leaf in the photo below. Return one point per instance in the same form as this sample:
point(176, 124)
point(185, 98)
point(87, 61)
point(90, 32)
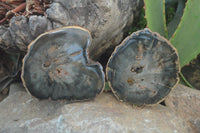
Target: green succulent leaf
point(172, 26)
point(155, 15)
point(186, 38)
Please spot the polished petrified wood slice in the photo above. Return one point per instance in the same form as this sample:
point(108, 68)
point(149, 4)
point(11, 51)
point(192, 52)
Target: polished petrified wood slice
point(143, 69)
point(57, 66)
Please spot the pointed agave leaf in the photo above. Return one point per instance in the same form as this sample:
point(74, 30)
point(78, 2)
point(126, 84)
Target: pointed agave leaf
point(155, 15)
point(186, 38)
point(172, 26)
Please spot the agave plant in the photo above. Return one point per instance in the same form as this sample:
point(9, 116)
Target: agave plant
point(183, 31)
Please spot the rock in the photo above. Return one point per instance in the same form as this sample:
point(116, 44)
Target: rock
point(4, 93)
point(14, 130)
point(108, 21)
point(6, 68)
point(16, 87)
point(2, 96)
point(23, 30)
point(186, 102)
point(191, 72)
point(103, 114)
point(195, 124)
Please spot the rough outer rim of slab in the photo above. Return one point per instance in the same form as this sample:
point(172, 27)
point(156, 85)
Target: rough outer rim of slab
point(122, 43)
point(31, 45)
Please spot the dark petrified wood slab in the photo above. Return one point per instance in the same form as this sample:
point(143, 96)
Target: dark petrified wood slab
point(57, 66)
point(143, 69)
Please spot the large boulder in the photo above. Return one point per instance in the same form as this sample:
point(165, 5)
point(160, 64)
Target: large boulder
point(21, 113)
point(108, 21)
point(186, 102)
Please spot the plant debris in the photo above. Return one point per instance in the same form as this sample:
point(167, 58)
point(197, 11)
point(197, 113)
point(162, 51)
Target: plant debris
point(10, 8)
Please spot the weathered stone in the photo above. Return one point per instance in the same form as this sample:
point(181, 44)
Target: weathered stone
point(23, 30)
point(104, 114)
point(16, 87)
point(2, 96)
point(192, 72)
point(195, 124)
point(14, 130)
point(4, 93)
point(7, 67)
point(108, 21)
point(186, 102)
